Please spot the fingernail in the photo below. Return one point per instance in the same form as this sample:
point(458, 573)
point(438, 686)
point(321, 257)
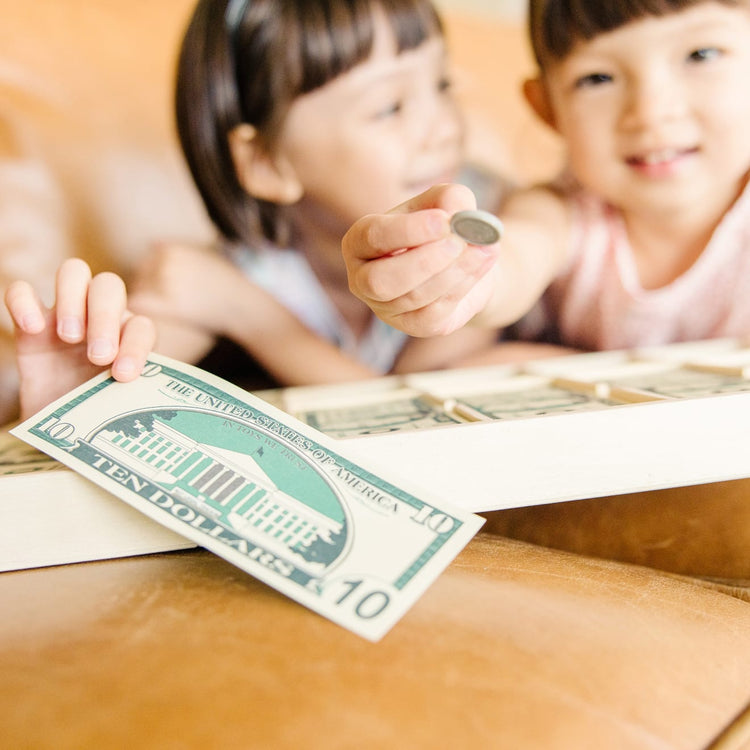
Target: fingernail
point(70, 328)
point(100, 348)
point(124, 367)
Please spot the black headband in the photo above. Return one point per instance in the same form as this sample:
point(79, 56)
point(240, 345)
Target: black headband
point(234, 14)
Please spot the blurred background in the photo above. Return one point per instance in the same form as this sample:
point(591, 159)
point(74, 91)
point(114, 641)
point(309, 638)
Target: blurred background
point(503, 9)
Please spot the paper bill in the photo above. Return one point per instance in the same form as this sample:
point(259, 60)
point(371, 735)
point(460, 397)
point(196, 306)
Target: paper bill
point(258, 488)
point(19, 458)
point(396, 414)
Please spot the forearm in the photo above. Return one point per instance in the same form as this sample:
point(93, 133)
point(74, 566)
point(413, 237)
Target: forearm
point(441, 352)
point(530, 256)
point(196, 298)
point(182, 341)
point(288, 350)
point(516, 287)
point(294, 355)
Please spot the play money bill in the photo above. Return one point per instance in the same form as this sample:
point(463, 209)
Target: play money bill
point(19, 458)
point(255, 486)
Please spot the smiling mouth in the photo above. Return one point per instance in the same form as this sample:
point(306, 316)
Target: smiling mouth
point(660, 157)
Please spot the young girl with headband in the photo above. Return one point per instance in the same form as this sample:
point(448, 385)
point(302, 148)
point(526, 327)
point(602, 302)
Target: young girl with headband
point(296, 117)
point(645, 240)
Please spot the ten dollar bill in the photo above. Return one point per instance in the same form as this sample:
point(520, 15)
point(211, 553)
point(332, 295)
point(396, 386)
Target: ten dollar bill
point(258, 488)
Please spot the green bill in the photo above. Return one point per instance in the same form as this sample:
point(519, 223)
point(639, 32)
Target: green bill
point(388, 415)
point(258, 488)
point(20, 458)
point(532, 402)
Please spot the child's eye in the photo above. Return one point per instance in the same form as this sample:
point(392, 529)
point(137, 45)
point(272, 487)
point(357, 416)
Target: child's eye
point(390, 110)
point(704, 54)
point(592, 79)
point(444, 84)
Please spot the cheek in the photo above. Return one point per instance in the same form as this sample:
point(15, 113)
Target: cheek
point(368, 166)
point(351, 187)
point(582, 143)
point(589, 133)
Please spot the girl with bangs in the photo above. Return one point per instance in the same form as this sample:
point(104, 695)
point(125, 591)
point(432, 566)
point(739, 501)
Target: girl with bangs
point(296, 117)
point(644, 239)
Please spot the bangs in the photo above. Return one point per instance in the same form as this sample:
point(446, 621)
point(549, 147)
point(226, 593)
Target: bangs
point(314, 42)
point(334, 37)
point(555, 26)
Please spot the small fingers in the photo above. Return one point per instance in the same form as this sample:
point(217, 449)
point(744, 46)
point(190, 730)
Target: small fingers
point(447, 197)
point(397, 275)
point(394, 255)
point(451, 311)
point(136, 342)
point(427, 272)
point(452, 283)
point(445, 301)
point(72, 285)
point(379, 235)
point(25, 307)
point(105, 310)
point(420, 220)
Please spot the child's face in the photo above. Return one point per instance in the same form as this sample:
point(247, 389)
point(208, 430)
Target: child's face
point(656, 114)
point(376, 135)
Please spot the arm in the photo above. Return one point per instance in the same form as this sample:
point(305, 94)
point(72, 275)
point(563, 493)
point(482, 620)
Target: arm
point(88, 329)
point(417, 276)
point(441, 352)
point(191, 290)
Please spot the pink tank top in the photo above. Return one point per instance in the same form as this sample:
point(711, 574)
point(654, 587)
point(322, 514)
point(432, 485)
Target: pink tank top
point(598, 303)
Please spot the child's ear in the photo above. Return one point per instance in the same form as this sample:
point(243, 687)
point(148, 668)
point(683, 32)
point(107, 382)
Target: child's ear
point(535, 93)
point(262, 174)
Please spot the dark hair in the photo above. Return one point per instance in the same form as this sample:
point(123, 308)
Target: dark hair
point(556, 25)
point(246, 61)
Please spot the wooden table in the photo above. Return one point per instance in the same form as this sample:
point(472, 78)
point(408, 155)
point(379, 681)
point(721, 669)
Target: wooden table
point(515, 646)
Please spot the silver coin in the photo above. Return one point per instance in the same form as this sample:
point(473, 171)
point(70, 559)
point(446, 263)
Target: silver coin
point(477, 227)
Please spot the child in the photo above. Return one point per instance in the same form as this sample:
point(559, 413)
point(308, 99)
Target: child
point(646, 239)
point(297, 118)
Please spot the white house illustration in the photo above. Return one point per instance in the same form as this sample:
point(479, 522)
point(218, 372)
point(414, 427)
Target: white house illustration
point(227, 486)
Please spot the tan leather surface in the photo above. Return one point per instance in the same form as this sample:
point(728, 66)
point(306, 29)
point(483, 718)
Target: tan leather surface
point(514, 646)
point(702, 530)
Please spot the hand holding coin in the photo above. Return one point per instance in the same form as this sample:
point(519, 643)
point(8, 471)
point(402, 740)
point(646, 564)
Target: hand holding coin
point(477, 227)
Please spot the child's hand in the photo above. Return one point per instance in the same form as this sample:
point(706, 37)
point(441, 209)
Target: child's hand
point(88, 329)
point(189, 283)
point(412, 271)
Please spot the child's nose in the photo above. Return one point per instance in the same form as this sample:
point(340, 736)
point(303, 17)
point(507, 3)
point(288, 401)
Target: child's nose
point(444, 123)
point(651, 100)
